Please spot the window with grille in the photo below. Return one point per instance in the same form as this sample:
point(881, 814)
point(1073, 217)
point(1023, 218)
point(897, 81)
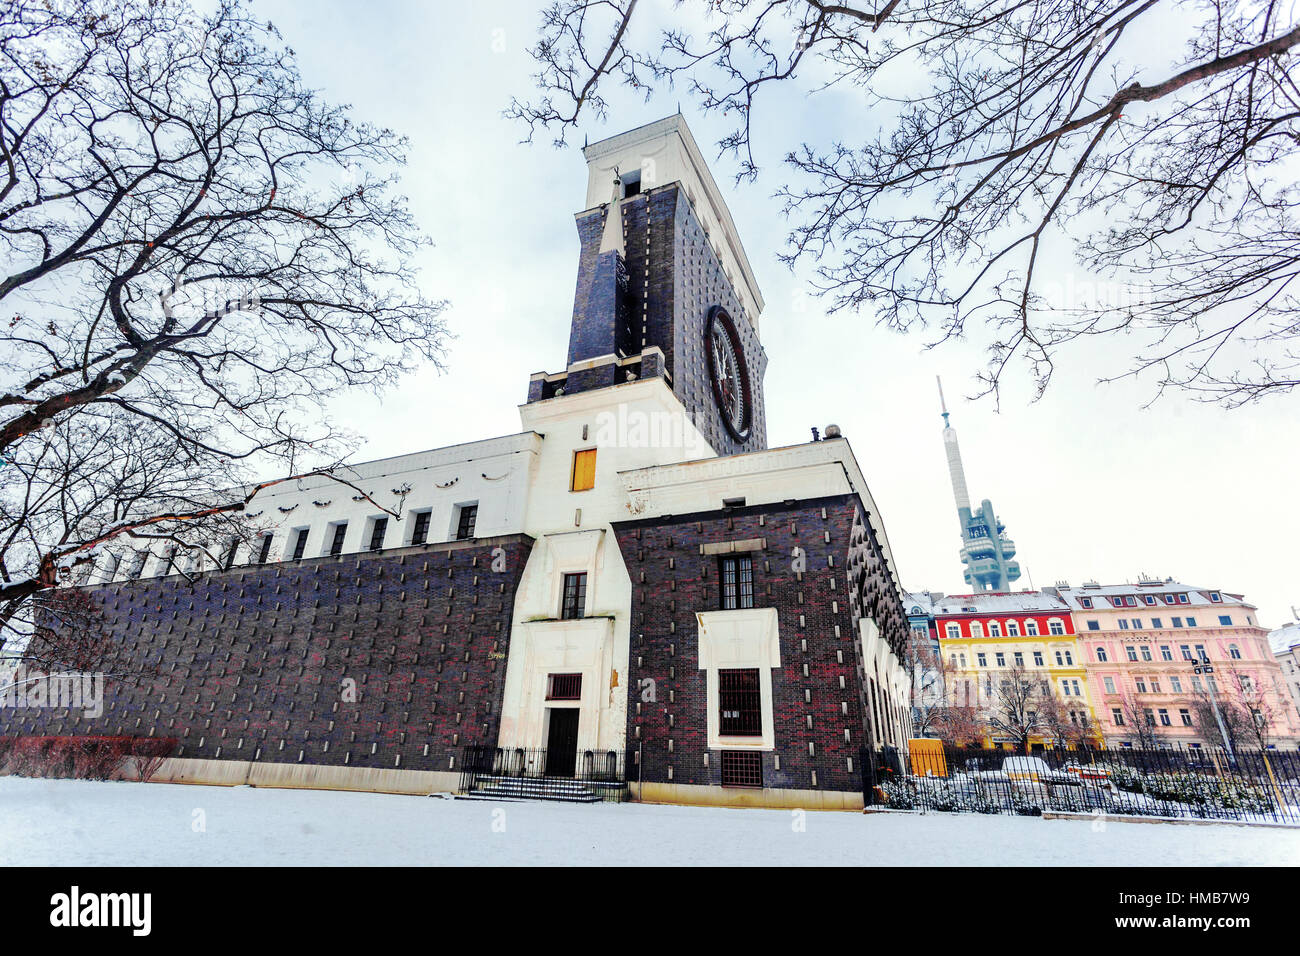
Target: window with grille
point(336, 544)
point(266, 549)
point(377, 532)
point(420, 534)
point(738, 700)
point(742, 769)
point(300, 544)
point(465, 522)
point(584, 470)
point(575, 596)
point(564, 687)
point(737, 575)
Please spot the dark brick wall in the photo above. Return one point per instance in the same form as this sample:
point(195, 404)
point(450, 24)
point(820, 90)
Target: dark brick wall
point(671, 580)
point(250, 663)
point(672, 280)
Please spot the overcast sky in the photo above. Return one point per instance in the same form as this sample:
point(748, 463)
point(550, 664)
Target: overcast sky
point(1090, 484)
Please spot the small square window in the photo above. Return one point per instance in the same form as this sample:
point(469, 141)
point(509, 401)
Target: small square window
point(377, 532)
point(420, 531)
point(575, 596)
point(564, 687)
point(737, 576)
point(466, 519)
point(742, 769)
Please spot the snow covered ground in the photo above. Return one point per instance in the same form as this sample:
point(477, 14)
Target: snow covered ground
point(80, 823)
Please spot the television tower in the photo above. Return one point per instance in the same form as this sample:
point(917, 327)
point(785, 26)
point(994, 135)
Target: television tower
point(986, 551)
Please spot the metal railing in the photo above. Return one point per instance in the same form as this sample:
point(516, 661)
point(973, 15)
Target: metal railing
point(604, 772)
point(1260, 786)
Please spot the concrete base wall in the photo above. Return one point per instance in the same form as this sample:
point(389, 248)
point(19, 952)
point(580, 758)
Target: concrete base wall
point(233, 773)
point(709, 796)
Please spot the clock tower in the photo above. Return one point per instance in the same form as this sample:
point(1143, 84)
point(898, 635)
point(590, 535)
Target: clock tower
point(664, 288)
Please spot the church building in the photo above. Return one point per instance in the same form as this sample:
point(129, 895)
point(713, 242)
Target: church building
point(633, 577)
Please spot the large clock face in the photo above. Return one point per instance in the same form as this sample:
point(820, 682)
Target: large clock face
point(728, 373)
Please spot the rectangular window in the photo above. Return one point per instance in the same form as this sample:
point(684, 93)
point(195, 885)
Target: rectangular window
point(1157, 623)
point(336, 543)
point(465, 522)
point(300, 544)
point(1085, 602)
point(231, 551)
point(1178, 622)
point(1056, 627)
point(1191, 622)
point(1150, 716)
point(265, 552)
point(1214, 596)
point(1137, 623)
point(564, 687)
point(1182, 599)
point(738, 701)
point(584, 470)
point(1225, 620)
point(1020, 659)
point(1094, 625)
point(1165, 653)
point(1132, 652)
point(1038, 658)
point(1150, 599)
point(1123, 624)
point(1176, 684)
point(1117, 716)
point(1110, 684)
point(737, 576)
point(1141, 684)
point(1146, 653)
point(1186, 716)
point(982, 659)
point(1164, 718)
point(575, 596)
point(742, 769)
point(1001, 659)
point(420, 533)
point(377, 531)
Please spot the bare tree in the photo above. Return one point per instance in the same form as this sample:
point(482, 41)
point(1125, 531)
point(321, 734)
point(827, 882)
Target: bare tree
point(926, 671)
point(1019, 702)
point(1142, 730)
point(197, 252)
point(1153, 136)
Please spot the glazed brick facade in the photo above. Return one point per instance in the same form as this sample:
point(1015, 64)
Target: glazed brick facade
point(392, 659)
point(819, 693)
point(662, 298)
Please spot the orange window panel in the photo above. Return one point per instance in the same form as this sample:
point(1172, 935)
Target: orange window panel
point(584, 470)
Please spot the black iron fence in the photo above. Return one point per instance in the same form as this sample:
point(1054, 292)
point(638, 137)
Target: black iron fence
point(602, 772)
point(1261, 786)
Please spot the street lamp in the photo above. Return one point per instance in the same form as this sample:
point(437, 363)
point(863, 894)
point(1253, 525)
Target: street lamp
point(1204, 667)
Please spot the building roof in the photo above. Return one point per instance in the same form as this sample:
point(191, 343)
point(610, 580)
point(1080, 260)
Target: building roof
point(1285, 637)
point(1195, 595)
point(995, 602)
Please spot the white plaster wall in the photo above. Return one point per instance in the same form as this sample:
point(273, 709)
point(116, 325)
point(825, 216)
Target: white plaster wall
point(631, 426)
point(495, 473)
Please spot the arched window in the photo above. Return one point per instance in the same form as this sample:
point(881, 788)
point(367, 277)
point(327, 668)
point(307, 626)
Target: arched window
point(1031, 628)
point(1234, 652)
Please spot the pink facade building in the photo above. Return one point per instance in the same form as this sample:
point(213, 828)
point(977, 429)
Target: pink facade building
point(1145, 648)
